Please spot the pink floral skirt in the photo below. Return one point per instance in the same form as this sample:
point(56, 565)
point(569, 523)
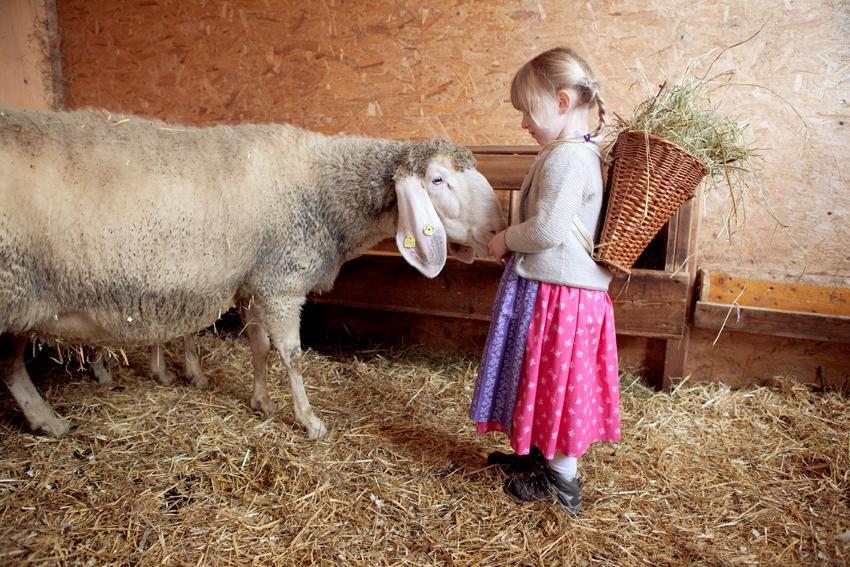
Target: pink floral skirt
point(569, 393)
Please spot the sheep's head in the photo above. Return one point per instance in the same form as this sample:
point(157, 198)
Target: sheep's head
point(444, 204)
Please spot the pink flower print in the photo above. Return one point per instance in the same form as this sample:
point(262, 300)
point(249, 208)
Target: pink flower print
point(579, 354)
point(570, 318)
point(601, 430)
point(549, 316)
point(571, 387)
point(570, 433)
point(581, 306)
point(554, 435)
point(589, 320)
point(579, 377)
point(579, 331)
point(609, 347)
point(568, 342)
point(529, 407)
point(599, 321)
point(532, 385)
point(611, 368)
point(560, 389)
point(571, 411)
point(564, 366)
point(608, 420)
point(526, 429)
point(608, 400)
point(532, 362)
point(546, 338)
point(557, 413)
point(617, 431)
point(557, 353)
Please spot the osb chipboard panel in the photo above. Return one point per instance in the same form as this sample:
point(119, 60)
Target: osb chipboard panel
point(741, 359)
point(27, 54)
point(427, 68)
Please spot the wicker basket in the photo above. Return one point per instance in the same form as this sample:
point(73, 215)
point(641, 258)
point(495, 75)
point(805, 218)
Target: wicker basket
point(642, 198)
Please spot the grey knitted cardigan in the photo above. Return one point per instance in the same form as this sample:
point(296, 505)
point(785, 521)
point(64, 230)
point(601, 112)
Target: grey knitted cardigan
point(565, 181)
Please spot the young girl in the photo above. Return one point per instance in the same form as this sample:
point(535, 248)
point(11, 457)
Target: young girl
point(549, 375)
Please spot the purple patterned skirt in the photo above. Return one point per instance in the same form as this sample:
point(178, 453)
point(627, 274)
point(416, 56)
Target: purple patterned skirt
point(501, 365)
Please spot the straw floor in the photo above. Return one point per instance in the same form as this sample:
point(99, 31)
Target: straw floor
point(154, 475)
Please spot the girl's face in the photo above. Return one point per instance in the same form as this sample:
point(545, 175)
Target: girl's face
point(554, 120)
point(543, 132)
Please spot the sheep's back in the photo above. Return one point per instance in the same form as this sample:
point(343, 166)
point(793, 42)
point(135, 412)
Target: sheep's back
point(151, 228)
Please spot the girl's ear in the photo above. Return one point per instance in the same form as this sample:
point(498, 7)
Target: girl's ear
point(420, 237)
point(565, 99)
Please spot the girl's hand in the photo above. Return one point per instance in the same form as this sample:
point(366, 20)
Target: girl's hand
point(497, 247)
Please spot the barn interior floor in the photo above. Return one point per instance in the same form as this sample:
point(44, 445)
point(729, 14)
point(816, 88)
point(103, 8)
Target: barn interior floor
point(154, 475)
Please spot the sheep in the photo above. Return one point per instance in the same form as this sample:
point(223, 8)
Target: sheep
point(120, 230)
point(99, 364)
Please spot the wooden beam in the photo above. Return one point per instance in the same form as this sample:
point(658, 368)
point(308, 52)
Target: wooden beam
point(649, 304)
point(776, 322)
point(788, 296)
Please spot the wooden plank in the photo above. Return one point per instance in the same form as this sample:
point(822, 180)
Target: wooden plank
point(504, 171)
point(794, 296)
point(503, 150)
point(649, 304)
point(775, 322)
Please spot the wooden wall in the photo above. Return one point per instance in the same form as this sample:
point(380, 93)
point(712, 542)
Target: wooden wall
point(29, 62)
point(416, 69)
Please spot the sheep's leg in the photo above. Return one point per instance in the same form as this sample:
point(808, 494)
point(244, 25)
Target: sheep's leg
point(284, 320)
point(193, 363)
point(260, 346)
point(100, 368)
point(40, 416)
point(157, 366)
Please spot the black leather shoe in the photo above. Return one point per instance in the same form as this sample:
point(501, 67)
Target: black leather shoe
point(511, 463)
point(545, 486)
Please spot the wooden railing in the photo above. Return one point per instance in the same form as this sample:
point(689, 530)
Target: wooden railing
point(655, 301)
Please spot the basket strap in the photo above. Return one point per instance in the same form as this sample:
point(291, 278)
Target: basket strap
point(583, 235)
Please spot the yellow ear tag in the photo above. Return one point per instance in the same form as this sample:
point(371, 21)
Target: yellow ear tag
point(428, 230)
point(409, 241)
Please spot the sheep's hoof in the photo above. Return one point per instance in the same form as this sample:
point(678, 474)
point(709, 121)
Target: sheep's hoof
point(51, 426)
point(103, 378)
point(199, 381)
point(101, 373)
point(315, 428)
point(166, 377)
point(264, 405)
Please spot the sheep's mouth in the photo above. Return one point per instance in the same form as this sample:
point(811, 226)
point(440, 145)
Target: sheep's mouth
point(462, 252)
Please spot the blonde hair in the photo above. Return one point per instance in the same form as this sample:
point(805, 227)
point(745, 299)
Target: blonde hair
point(542, 77)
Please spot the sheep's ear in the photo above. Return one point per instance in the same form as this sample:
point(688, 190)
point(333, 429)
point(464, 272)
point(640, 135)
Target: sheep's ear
point(421, 237)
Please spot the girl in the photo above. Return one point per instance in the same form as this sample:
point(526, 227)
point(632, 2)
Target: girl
point(549, 376)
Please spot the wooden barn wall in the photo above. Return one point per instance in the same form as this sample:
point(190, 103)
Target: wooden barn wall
point(442, 68)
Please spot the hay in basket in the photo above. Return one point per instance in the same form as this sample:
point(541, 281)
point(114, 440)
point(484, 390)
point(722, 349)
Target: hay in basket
point(661, 154)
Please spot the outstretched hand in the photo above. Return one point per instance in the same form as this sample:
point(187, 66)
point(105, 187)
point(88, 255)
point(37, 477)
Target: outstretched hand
point(497, 246)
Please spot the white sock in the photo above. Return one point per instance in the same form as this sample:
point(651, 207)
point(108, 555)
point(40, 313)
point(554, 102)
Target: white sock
point(564, 466)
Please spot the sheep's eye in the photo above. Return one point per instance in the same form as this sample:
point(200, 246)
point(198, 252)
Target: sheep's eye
point(437, 180)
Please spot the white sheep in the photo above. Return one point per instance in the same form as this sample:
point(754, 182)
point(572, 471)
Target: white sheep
point(116, 230)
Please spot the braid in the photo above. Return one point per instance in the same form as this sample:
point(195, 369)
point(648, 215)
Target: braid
point(603, 112)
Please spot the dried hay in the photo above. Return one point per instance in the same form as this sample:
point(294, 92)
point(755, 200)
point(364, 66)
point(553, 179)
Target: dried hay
point(156, 475)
